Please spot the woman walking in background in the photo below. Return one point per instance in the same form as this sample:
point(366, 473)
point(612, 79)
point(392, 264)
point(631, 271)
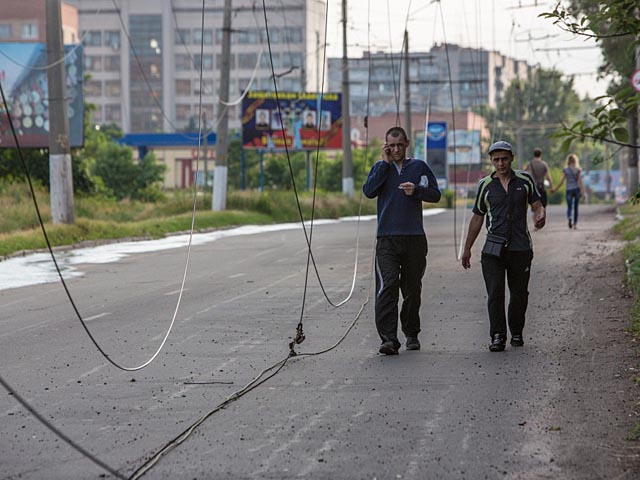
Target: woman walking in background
point(575, 188)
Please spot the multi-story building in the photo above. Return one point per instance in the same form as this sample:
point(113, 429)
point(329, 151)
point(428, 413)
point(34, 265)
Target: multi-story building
point(479, 77)
point(25, 21)
point(144, 57)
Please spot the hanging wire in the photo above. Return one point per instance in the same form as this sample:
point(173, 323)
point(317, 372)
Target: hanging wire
point(55, 262)
point(76, 446)
point(453, 124)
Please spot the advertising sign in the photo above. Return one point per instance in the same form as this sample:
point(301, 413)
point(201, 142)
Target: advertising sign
point(23, 75)
point(437, 135)
point(432, 145)
point(305, 121)
point(467, 147)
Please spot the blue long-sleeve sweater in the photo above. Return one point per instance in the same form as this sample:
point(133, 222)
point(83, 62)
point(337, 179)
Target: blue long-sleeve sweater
point(400, 214)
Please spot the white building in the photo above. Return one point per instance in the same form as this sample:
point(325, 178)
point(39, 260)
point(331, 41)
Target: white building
point(479, 77)
point(157, 87)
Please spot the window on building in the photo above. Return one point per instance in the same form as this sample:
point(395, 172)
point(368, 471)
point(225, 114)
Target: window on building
point(93, 63)
point(292, 60)
point(112, 113)
point(92, 38)
point(112, 39)
point(29, 31)
point(292, 35)
point(5, 31)
point(112, 88)
point(274, 35)
point(247, 60)
point(96, 115)
point(93, 88)
point(207, 111)
point(112, 63)
point(265, 61)
point(247, 37)
point(207, 34)
point(183, 36)
point(183, 62)
point(207, 86)
point(206, 60)
point(183, 87)
point(183, 112)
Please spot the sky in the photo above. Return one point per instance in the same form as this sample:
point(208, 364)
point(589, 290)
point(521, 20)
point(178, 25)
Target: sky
point(511, 27)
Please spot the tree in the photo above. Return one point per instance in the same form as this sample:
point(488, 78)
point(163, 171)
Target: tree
point(616, 27)
point(537, 108)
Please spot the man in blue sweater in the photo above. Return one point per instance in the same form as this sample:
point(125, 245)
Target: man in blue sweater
point(401, 185)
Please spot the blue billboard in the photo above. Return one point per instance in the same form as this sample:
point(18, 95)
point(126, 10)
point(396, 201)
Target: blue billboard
point(23, 74)
point(305, 121)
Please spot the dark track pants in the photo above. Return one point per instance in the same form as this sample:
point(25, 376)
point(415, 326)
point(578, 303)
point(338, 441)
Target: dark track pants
point(400, 264)
point(517, 266)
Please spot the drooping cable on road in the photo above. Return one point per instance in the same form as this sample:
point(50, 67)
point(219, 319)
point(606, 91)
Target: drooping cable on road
point(76, 446)
point(54, 259)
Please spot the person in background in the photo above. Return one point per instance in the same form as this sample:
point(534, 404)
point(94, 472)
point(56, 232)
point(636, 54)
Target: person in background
point(503, 197)
point(539, 170)
point(401, 184)
point(575, 188)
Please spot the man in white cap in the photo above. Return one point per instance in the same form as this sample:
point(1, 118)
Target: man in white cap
point(503, 197)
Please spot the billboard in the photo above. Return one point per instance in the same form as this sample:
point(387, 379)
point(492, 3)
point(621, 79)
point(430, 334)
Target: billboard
point(467, 147)
point(23, 75)
point(306, 121)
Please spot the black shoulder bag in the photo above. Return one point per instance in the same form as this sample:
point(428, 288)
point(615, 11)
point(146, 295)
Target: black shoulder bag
point(495, 245)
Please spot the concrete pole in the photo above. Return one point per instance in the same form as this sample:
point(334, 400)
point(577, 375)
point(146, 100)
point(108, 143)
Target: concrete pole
point(219, 201)
point(60, 173)
point(407, 93)
point(519, 147)
point(347, 163)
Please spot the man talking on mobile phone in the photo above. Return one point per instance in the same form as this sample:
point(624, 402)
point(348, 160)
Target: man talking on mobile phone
point(401, 184)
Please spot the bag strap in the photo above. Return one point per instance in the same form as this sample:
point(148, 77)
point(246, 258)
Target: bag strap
point(509, 213)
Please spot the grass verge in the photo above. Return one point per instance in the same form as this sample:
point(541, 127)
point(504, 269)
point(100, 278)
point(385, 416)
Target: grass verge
point(629, 229)
point(105, 219)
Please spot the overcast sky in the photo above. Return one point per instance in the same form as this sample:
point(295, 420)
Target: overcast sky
point(511, 27)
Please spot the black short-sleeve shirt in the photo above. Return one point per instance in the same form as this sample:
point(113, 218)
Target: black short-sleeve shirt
point(492, 201)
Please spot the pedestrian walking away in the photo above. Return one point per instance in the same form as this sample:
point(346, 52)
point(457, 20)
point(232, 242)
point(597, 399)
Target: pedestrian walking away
point(400, 184)
point(503, 197)
point(539, 170)
point(575, 188)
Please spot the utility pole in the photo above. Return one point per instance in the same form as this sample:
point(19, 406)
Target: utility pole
point(347, 163)
point(60, 173)
point(519, 147)
point(204, 148)
point(219, 201)
point(407, 92)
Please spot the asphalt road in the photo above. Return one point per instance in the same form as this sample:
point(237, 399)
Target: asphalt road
point(560, 407)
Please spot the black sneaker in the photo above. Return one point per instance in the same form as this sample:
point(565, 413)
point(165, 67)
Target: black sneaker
point(412, 343)
point(570, 224)
point(389, 348)
point(517, 341)
point(497, 344)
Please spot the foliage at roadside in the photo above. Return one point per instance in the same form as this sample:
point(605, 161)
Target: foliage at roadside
point(100, 218)
point(538, 106)
point(615, 25)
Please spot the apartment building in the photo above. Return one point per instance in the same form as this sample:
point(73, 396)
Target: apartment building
point(25, 21)
point(144, 57)
point(478, 77)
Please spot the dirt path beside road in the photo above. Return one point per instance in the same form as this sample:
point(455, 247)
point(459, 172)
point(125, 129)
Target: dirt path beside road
point(586, 318)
